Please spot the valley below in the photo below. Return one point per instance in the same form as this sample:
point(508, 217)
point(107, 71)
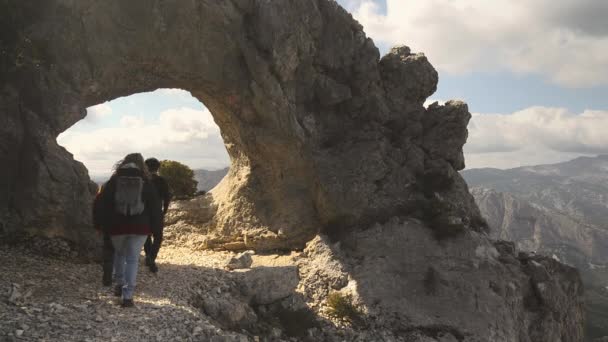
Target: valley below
point(558, 210)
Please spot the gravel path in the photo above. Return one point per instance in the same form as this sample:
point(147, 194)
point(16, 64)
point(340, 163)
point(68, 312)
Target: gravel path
point(51, 295)
point(58, 299)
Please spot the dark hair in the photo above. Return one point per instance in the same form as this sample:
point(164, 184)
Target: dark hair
point(153, 164)
point(135, 158)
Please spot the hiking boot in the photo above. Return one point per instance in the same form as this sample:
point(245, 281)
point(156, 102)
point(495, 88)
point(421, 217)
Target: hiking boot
point(148, 261)
point(127, 303)
point(153, 267)
point(118, 290)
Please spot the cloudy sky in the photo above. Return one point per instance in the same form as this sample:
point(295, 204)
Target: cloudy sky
point(166, 124)
point(534, 73)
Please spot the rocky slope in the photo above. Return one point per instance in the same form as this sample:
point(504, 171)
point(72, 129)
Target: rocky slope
point(576, 188)
point(558, 210)
point(48, 294)
point(534, 227)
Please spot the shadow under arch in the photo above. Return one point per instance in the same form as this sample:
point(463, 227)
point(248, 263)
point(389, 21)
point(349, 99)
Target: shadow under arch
point(321, 132)
point(102, 51)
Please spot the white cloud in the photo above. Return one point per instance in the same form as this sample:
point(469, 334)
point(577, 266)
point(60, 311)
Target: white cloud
point(534, 135)
point(98, 112)
point(184, 134)
point(187, 124)
point(130, 121)
point(565, 41)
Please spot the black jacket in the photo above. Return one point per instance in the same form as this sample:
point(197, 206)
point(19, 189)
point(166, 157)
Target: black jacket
point(148, 222)
point(162, 189)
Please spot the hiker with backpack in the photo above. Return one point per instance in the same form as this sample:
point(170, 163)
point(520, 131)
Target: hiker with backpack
point(152, 245)
point(130, 211)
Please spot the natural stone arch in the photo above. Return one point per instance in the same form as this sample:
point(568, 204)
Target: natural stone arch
point(322, 133)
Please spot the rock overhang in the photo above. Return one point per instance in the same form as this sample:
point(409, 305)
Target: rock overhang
point(323, 135)
point(321, 131)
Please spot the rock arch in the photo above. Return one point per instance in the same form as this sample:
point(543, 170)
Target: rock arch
point(322, 133)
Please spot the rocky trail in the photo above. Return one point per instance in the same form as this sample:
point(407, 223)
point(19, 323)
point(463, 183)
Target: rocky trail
point(53, 299)
point(61, 299)
point(326, 292)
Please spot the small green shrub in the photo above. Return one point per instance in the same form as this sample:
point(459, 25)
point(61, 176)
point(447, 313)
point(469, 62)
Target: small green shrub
point(180, 178)
point(341, 307)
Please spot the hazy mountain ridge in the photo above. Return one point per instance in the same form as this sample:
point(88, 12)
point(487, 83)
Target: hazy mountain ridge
point(560, 210)
point(207, 180)
point(540, 207)
point(577, 188)
point(537, 228)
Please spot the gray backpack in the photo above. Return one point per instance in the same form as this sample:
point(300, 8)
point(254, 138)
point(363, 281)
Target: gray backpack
point(127, 199)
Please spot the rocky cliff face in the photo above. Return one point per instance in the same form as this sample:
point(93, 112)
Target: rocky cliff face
point(324, 135)
point(576, 188)
point(299, 92)
point(536, 228)
point(556, 210)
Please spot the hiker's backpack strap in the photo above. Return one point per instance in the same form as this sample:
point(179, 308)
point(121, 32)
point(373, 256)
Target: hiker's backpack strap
point(128, 196)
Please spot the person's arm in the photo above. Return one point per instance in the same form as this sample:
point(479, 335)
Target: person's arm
point(166, 194)
point(106, 204)
point(153, 208)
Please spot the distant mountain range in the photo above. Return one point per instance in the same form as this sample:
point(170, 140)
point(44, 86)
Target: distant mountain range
point(99, 179)
point(560, 210)
point(207, 180)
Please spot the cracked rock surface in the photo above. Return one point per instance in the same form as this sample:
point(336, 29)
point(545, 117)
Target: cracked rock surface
point(325, 136)
point(486, 292)
point(322, 132)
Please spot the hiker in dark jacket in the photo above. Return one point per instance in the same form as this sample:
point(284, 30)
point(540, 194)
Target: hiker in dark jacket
point(152, 245)
point(130, 212)
point(108, 249)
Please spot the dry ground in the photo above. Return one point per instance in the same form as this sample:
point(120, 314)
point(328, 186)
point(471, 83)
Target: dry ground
point(58, 299)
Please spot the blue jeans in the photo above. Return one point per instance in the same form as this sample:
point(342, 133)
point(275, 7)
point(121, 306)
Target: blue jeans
point(126, 261)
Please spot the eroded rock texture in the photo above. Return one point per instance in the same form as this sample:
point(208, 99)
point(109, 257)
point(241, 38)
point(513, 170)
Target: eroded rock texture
point(324, 135)
point(463, 289)
point(322, 132)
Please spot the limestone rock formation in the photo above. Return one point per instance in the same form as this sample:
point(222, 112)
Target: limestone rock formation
point(494, 295)
point(323, 135)
point(240, 261)
point(536, 228)
point(558, 210)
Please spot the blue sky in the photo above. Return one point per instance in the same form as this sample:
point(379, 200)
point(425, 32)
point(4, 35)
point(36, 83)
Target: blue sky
point(146, 105)
point(498, 91)
point(503, 92)
point(166, 124)
point(533, 73)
